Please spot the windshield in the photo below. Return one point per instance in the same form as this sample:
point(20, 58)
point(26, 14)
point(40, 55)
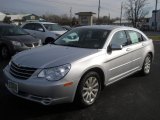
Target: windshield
point(11, 31)
point(53, 27)
point(84, 38)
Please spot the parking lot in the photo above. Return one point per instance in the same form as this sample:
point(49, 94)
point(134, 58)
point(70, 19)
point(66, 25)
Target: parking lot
point(133, 98)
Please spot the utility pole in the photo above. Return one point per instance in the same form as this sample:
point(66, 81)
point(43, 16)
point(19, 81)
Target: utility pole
point(156, 16)
point(99, 7)
point(121, 13)
point(71, 13)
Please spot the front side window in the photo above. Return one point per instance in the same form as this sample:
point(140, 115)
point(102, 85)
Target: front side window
point(119, 38)
point(84, 38)
point(28, 26)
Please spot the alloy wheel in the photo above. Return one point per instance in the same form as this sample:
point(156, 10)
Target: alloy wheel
point(147, 64)
point(4, 52)
point(90, 90)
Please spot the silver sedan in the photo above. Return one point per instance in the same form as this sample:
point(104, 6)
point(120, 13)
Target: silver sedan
point(77, 69)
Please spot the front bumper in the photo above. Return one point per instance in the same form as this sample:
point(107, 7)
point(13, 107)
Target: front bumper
point(41, 90)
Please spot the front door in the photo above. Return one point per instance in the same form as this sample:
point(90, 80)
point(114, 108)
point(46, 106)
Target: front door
point(119, 62)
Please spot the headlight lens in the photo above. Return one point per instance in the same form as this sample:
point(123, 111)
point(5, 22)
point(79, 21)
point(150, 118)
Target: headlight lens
point(16, 43)
point(56, 73)
point(40, 42)
point(9, 63)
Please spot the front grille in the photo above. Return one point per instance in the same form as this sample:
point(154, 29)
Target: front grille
point(21, 72)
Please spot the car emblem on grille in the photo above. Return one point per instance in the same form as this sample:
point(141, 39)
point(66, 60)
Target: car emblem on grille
point(18, 65)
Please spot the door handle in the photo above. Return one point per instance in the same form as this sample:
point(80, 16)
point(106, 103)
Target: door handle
point(143, 44)
point(128, 49)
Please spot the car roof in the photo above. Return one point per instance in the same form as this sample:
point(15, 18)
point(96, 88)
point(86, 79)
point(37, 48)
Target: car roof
point(43, 22)
point(106, 27)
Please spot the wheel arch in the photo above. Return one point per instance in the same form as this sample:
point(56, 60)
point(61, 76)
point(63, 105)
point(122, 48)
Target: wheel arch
point(151, 53)
point(99, 71)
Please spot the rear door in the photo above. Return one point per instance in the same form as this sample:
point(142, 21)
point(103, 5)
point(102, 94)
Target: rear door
point(136, 49)
point(39, 31)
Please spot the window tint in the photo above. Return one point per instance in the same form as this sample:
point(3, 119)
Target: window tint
point(28, 26)
point(119, 38)
point(84, 38)
point(135, 37)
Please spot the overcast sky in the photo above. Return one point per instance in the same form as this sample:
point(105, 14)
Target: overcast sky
point(41, 7)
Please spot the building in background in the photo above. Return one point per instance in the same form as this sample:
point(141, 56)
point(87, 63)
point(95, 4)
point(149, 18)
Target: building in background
point(85, 18)
point(152, 20)
point(2, 16)
point(19, 19)
point(123, 22)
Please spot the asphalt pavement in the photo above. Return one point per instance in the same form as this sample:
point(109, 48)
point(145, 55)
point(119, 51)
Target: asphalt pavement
point(133, 98)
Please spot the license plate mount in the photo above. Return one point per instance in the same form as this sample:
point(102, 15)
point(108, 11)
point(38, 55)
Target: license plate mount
point(13, 86)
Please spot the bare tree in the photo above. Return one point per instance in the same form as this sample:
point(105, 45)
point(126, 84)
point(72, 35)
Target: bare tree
point(135, 10)
point(7, 20)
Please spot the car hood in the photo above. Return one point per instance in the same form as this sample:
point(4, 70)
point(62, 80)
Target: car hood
point(50, 56)
point(21, 38)
point(59, 32)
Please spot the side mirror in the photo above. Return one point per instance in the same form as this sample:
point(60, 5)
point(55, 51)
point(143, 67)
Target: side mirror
point(40, 29)
point(114, 47)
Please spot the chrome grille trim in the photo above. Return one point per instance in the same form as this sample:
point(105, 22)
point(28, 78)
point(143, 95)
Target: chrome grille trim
point(21, 72)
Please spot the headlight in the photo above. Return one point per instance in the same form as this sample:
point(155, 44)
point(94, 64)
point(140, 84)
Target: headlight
point(9, 63)
point(16, 43)
point(56, 73)
point(40, 42)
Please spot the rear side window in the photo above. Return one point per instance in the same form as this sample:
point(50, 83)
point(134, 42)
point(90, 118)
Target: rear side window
point(135, 37)
point(120, 38)
point(28, 26)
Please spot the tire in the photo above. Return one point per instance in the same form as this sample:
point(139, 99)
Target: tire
point(146, 69)
point(5, 52)
point(88, 89)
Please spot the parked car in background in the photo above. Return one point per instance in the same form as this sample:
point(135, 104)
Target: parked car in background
point(67, 27)
point(14, 39)
point(79, 64)
point(46, 31)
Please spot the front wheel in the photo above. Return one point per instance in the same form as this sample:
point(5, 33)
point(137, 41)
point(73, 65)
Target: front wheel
point(88, 89)
point(5, 52)
point(146, 69)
